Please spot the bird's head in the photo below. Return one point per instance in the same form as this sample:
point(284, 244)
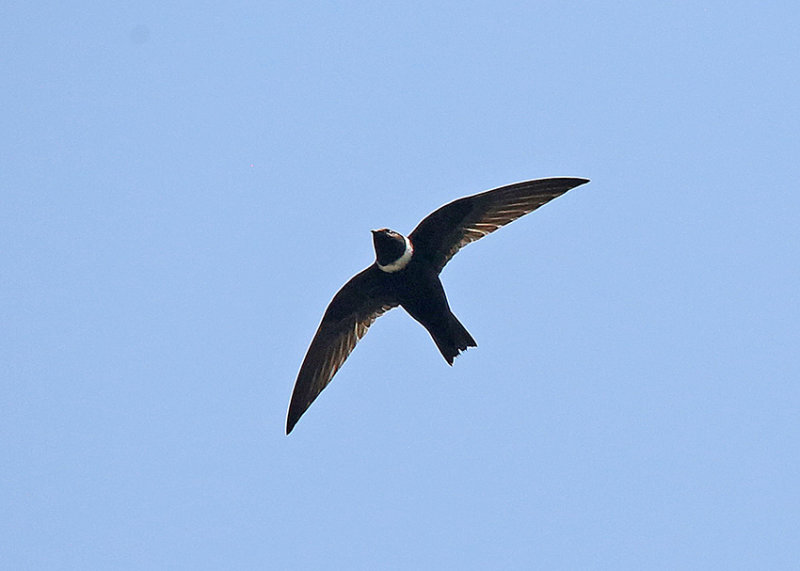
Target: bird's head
point(392, 250)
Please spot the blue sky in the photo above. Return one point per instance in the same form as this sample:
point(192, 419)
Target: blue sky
point(186, 185)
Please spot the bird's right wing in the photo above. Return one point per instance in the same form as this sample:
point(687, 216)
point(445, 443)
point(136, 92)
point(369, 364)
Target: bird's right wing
point(353, 309)
point(446, 230)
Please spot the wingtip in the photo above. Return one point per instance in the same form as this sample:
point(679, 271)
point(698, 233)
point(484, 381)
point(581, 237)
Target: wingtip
point(574, 181)
point(291, 419)
point(578, 180)
point(290, 423)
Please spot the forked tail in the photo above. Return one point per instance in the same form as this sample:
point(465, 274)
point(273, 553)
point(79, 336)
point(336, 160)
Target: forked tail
point(452, 339)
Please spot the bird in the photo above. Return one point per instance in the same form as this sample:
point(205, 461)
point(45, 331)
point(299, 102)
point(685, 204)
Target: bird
point(405, 273)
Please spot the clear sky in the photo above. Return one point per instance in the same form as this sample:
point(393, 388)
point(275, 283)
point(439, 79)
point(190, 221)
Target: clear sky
point(185, 185)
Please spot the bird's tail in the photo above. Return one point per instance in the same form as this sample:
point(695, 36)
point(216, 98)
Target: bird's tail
point(452, 338)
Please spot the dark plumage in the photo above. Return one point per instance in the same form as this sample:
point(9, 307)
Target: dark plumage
point(406, 273)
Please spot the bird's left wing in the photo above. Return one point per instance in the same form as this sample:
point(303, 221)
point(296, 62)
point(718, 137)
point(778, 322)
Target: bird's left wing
point(446, 230)
point(353, 309)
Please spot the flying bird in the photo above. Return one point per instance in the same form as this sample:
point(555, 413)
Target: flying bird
point(406, 273)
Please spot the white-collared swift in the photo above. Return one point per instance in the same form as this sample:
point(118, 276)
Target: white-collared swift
point(406, 274)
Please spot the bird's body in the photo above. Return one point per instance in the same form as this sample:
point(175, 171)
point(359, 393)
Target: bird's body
point(418, 289)
point(406, 273)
